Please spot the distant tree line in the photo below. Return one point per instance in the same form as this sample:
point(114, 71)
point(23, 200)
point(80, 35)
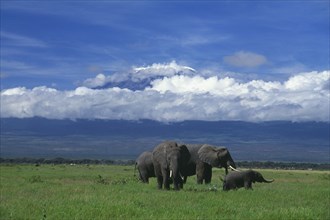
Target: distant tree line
point(60, 160)
point(283, 165)
point(239, 164)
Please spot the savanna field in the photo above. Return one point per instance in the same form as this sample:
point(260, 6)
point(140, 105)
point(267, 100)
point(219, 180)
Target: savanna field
point(112, 192)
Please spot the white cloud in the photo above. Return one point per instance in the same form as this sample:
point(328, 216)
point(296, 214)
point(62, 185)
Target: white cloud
point(245, 59)
point(137, 74)
point(195, 84)
point(303, 97)
point(310, 81)
point(19, 40)
point(99, 80)
point(168, 69)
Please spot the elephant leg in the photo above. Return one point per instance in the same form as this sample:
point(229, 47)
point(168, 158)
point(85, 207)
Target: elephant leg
point(144, 177)
point(200, 173)
point(140, 176)
point(208, 173)
point(185, 179)
point(208, 178)
point(225, 186)
point(159, 176)
point(166, 177)
point(181, 182)
point(200, 179)
point(248, 185)
point(166, 184)
point(160, 181)
point(178, 183)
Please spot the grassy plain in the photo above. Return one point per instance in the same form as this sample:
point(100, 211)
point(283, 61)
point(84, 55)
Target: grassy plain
point(112, 192)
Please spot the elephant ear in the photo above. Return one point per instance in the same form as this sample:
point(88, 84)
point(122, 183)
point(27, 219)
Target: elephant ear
point(209, 155)
point(185, 153)
point(222, 153)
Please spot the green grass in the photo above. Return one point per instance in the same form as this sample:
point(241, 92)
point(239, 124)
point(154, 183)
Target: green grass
point(112, 192)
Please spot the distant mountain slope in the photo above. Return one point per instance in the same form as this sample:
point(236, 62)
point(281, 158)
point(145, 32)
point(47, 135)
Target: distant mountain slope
point(129, 84)
point(274, 141)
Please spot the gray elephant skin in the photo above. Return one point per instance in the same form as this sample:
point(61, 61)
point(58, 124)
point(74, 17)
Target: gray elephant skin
point(169, 157)
point(203, 157)
point(145, 166)
point(238, 179)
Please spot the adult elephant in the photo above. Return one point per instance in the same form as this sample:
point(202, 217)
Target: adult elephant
point(235, 180)
point(203, 157)
point(169, 158)
point(145, 166)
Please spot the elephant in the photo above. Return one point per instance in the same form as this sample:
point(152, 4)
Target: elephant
point(169, 159)
point(145, 166)
point(238, 179)
point(203, 157)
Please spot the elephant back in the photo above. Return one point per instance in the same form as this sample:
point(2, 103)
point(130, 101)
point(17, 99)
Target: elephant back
point(193, 151)
point(145, 157)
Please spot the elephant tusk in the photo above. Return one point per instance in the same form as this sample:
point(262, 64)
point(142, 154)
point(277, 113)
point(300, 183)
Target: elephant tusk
point(269, 181)
point(171, 175)
point(233, 168)
point(182, 178)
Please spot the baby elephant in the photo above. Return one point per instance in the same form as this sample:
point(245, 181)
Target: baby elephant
point(244, 179)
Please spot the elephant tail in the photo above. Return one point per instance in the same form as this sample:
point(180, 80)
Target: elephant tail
point(135, 168)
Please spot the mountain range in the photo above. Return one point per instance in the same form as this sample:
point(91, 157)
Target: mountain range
point(121, 139)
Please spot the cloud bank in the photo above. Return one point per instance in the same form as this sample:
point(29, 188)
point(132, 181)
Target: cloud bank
point(178, 93)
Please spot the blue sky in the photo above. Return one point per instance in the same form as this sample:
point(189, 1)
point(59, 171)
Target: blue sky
point(61, 43)
point(71, 48)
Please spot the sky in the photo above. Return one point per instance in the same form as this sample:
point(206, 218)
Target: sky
point(166, 60)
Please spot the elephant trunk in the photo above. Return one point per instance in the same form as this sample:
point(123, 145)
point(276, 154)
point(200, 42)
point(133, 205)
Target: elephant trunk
point(230, 161)
point(231, 164)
